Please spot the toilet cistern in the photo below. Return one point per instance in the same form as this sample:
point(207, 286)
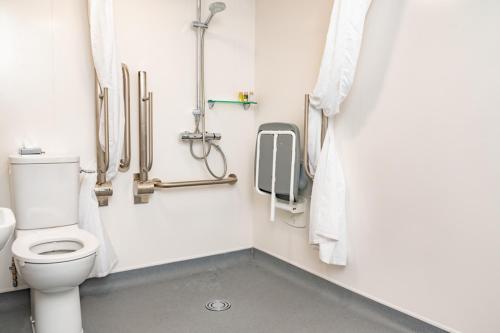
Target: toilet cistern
point(7, 225)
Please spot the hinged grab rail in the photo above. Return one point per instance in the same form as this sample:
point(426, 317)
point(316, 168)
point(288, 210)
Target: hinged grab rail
point(324, 126)
point(143, 187)
point(104, 188)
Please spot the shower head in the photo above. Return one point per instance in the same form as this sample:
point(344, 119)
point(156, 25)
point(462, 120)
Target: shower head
point(215, 7)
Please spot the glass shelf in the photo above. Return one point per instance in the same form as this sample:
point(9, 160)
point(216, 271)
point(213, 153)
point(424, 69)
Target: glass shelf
point(246, 105)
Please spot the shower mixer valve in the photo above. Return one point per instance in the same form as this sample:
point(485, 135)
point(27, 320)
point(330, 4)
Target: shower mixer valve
point(198, 24)
point(196, 136)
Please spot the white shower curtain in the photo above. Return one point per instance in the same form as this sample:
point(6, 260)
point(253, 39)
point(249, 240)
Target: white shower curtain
point(328, 212)
point(107, 67)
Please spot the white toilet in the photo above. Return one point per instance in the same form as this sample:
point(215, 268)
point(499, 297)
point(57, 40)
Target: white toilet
point(52, 255)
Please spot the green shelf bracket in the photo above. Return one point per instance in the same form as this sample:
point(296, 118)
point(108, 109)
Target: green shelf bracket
point(246, 105)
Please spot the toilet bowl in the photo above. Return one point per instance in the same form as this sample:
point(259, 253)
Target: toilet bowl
point(53, 263)
point(55, 259)
point(52, 255)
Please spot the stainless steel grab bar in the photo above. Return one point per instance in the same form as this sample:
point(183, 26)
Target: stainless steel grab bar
point(231, 179)
point(103, 106)
point(150, 130)
point(324, 126)
point(145, 128)
point(103, 188)
point(143, 187)
point(125, 160)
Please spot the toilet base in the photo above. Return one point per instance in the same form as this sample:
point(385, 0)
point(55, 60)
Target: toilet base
point(33, 330)
point(56, 312)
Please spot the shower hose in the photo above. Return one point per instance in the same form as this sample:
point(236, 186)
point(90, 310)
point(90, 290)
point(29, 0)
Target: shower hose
point(206, 151)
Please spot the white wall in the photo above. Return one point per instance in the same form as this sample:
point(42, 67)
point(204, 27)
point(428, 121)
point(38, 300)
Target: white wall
point(46, 94)
point(419, 141)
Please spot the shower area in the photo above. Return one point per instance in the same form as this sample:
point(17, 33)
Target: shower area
point(200, 135)
point(202, 143)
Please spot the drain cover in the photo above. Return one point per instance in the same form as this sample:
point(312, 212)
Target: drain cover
point(218, 305)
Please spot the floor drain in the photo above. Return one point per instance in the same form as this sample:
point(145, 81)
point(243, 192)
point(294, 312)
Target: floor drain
point(218, 305)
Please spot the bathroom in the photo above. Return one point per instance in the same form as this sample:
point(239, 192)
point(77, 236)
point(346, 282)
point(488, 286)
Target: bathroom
point(416, 138)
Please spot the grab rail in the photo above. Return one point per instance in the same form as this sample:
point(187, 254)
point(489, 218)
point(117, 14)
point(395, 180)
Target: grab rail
point(231, 179)
point(143, 187)
point(103, 188)
point(125, 160)
point(103, 103)
point(150, 130)
point(145, 128)
point(324, 126)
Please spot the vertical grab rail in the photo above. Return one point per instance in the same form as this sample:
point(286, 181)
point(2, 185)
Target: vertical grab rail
point(145, 128)
point(324, 126)
point(103, 188)
point(125, 160)
point(142, 186)
point(150, 130)
point(102, 105)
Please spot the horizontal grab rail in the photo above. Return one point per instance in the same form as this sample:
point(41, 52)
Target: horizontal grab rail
point(231, 179)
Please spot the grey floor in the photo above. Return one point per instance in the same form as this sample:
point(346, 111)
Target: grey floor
point(267, 295)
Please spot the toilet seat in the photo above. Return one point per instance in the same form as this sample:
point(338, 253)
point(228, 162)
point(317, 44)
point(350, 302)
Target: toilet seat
point(54, 246)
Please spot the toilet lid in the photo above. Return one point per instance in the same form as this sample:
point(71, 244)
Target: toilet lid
point(52, 246)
